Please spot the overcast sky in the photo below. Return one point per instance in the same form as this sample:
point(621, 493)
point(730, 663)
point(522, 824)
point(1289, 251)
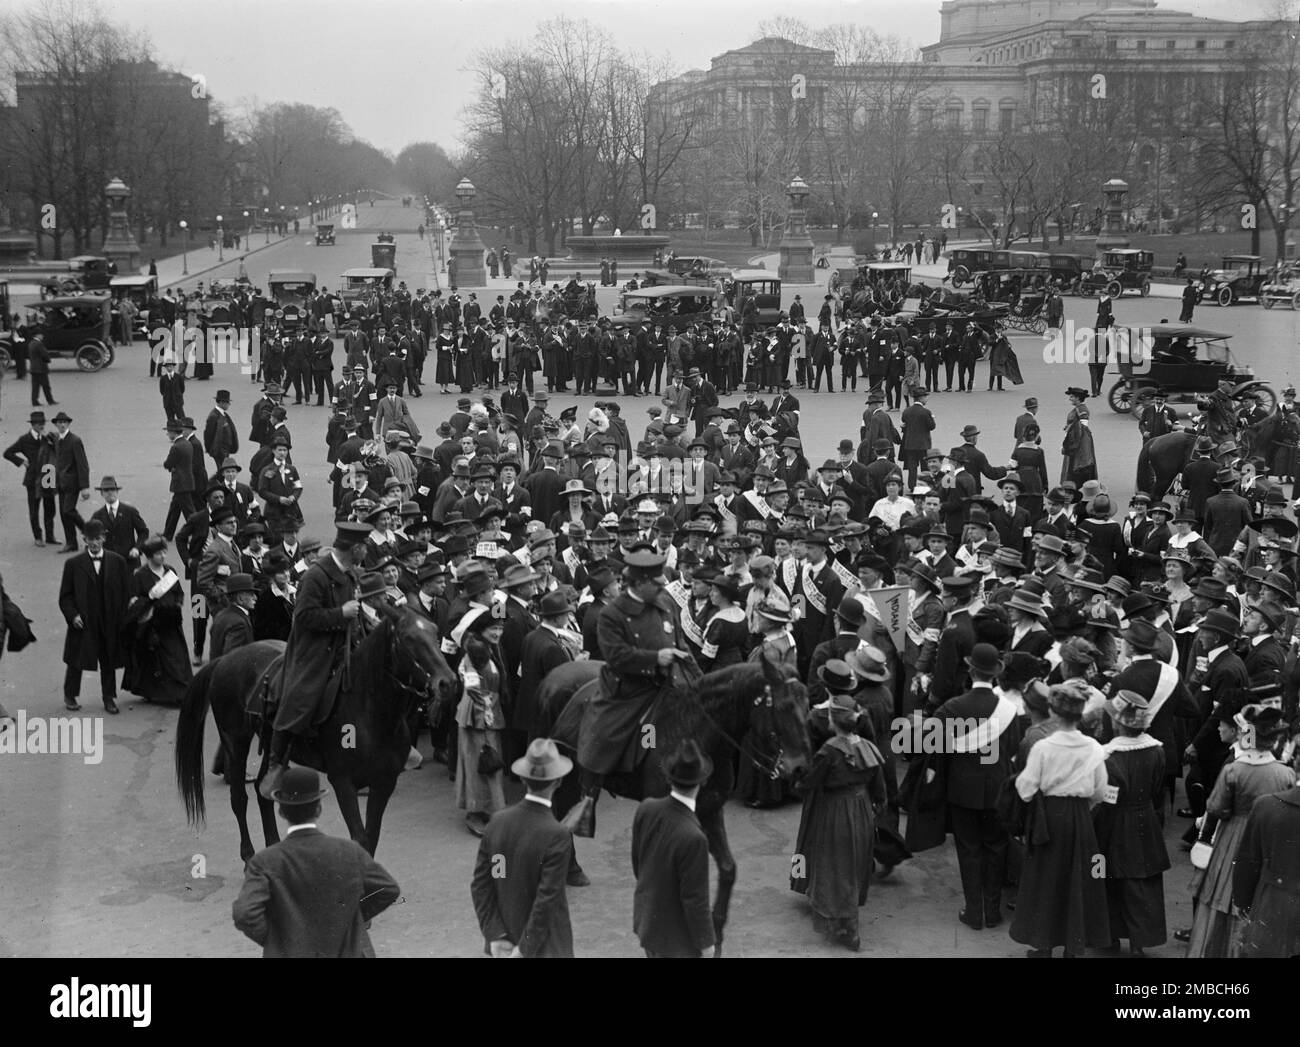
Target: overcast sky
point(395, 69)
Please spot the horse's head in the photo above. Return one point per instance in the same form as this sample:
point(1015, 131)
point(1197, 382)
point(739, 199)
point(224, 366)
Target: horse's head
point(781, 712)
point(415, 656)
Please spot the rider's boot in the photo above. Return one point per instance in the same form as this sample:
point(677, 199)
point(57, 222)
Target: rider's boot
point(581, 820)
point(277, 763)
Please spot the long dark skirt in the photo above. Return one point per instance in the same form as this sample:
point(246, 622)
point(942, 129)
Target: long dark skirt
point(836, 835)
point(445, 373)
point(752, 785)
point(1062, 900)
point(158, 663)
point(1137, 910)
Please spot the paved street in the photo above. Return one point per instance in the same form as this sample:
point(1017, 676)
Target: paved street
point(98, 859)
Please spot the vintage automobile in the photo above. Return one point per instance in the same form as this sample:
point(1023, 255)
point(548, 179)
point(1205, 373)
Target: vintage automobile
point(963, 262)
point(386, 238)
point(1118, 271)
point(678, 305)
point(324, 234)
point(358, 283)
point(696, 265)
point(1185, 360)
point(698, 278)
point(1283, 285)
point(1242, 276)
point(1064, 270)
point(764, 285)
point(78, 326)
point(289, 289)
point(140, 289)
point(94, 271)
point(383, 255)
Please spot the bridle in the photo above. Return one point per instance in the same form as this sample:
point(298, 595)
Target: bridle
point(773, 769)
point(423, 693)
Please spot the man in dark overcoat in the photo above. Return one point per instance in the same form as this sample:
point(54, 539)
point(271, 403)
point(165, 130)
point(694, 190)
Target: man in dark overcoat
point(323, 623)
point(93, 597)
point(670, 860)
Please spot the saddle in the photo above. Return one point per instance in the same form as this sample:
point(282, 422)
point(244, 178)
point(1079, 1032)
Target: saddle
point(266, 695)
point(609, 736)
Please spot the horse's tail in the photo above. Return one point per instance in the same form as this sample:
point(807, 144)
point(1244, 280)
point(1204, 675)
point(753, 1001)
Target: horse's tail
point(189, 745)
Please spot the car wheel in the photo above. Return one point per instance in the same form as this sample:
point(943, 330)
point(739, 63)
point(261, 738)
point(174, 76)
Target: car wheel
point(1295, 300)
point(1267, 302)
point(1121, 396)
point(92, 356)
point(1267, 398)
point(1115, 289)
point(1225, 296)
point(1146, 288)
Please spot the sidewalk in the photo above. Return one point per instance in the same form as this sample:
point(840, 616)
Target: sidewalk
point(203, 260)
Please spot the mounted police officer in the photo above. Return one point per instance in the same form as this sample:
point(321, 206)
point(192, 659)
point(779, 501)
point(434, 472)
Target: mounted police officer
point(640, 636)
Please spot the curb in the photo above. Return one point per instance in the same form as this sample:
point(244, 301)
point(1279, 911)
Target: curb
point(194, 273)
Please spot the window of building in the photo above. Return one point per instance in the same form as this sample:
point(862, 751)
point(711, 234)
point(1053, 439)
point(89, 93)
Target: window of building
point(1200, 45)
point(1076, 43)
point(1112, 44)
point(1006, 119)
point(954, 117)
point(980, 119)
point(1141, 45)
point(1169, 45)
point(927, 116)
point(1228, 45)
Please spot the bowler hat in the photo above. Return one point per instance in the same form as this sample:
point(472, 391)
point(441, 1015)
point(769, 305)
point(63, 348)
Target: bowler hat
point(686, 765)
point(298, 787)
point(240, 583)
point(984, 659)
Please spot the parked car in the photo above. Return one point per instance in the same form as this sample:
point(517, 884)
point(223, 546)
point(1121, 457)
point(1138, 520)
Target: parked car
point(1282, 286)
point(357, 283)
point(696, 265)
point(1242, 276)
point(289, 289)
point(764, 285)
point(140, 289)
point(1118, 271)
point(324, 234)
point(76, 326)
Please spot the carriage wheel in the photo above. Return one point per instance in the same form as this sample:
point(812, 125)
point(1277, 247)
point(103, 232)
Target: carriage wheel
point(1295, 300)
point(1115, 289)
point(1040, 325)
point(1267, 398)
point(1122, 395)
point(92, 356)
point(960, 275)
point(1146, 288)
point(6, 361)
point(1225, 296)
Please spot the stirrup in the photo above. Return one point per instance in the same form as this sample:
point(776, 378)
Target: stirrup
point(581, 820)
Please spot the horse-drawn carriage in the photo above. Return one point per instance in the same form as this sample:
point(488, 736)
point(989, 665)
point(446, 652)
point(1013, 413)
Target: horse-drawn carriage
point(71, 325)
point(570, 305)
point(1187, 362)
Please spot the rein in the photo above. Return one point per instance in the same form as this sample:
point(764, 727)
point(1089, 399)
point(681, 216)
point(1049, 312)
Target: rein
point(772, 770)
point(423, 694)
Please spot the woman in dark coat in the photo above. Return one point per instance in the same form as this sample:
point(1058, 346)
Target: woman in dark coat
point(1078, 456)
point(1031, 467)
point(837, 829)
point(273, 612)
point(1061, 901)
point(726, 636)
point(157, 662)
point(445, 348)
point(1129, 835)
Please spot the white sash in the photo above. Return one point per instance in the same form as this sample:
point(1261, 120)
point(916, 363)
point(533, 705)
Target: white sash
point(983, 736)
point(760, 503)
point(846, 576)
point(728, 517)
point(571, 560)
point(814, 595)
point(682, 597)
point(1164, 688)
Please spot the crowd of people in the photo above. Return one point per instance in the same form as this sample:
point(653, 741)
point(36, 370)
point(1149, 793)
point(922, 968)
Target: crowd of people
point(1079, 659)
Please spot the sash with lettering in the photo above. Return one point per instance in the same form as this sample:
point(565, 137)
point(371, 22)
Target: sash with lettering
point(760, 503)
point(571, 560)
point(814, 595)
point(682, 597)
point(850, 580)
point(789, 574)
point(728, 517)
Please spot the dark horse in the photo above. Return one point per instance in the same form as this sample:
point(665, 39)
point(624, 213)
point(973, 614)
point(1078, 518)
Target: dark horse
point(732, 707)
point(364, 742)
point(1163, 458)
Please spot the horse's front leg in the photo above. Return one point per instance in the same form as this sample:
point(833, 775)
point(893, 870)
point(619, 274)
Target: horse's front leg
point(346, 793)
point(376, 802)
point(715, 829)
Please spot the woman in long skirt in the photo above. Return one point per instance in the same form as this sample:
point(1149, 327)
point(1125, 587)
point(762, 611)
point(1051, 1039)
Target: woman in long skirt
point(1078, 455)
point(481, 719)
point(1129, 834)
point(1031, 467)
point(1252, 772)
point(445, 349)
point(157, 663)
point(1061, 900)
point(832, 860)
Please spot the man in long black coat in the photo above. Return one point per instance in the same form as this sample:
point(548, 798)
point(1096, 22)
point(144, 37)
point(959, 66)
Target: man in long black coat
point(670, 860)
point(543, 651)
point(33, 453)
point(93, 598)
point(72, 478)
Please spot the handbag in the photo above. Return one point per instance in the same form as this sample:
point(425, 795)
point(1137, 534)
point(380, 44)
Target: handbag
point(1202, 849)
point(16, 624)
point(489, 760)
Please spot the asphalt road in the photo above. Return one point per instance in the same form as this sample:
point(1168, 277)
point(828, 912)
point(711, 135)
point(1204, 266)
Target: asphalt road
point(98, 860)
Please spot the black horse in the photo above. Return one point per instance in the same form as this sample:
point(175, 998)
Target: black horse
point(732, 706)
point(364, 742)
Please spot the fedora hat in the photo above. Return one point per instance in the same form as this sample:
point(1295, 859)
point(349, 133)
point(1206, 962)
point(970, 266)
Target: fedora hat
point(372, 584)
point(869, 662)
point(686, 765)
point(552, 605)
point(1220, 621)
point(1271, 612)
point(969, 431)
point(1008, 558)
point(984, 659)
point(1052, 543)
point(108, 483)
point(838, 677)
point(1012, 478)
point(63, 416)
point(1023, 601)
point(927, 574)
point(298, 787)
point(240, 583)
point(1141, 635)
point(542, 762)
point(1211, 589)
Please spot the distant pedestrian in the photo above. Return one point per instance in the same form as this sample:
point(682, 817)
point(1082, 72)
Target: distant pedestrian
point(311, 895)
point(38, 361)
point(1191, 296)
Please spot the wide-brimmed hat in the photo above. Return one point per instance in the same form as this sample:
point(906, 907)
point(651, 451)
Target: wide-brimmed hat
point(298, 786)
point(686, 765)
point(1141, 635)
point(927, 574)
point(1220, 621)
point(1087, 579)
point(542, 762)
point(869, 662)
point(773, 612)
point(108, 483)
point(1283, 527)
point(1023, 601)
point(838, 676)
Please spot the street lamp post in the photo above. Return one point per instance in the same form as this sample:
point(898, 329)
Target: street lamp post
point(221, 236)
point(266, 224)
point(249, 235)
point(875, 217)
point(466, 246)
point(185, 247)
point(796, 264)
